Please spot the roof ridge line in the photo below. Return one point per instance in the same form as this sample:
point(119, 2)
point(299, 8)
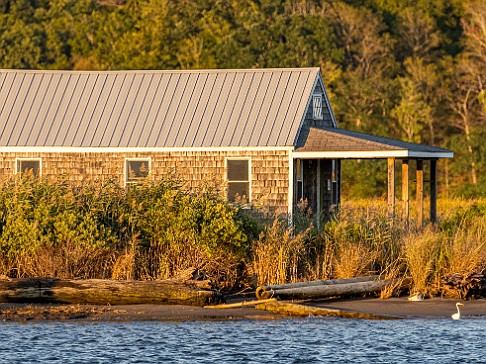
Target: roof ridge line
point(160, 71)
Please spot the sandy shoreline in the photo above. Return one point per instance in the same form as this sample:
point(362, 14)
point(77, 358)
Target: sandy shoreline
point(429, 308)
point(435, 308)
point(14, 312)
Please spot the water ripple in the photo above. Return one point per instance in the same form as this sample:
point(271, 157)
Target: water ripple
point(296, 341)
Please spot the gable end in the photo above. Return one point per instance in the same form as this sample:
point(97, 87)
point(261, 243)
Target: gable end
point(326, 119)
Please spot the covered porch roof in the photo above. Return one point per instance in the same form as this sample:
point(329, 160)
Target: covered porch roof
point(335, 143)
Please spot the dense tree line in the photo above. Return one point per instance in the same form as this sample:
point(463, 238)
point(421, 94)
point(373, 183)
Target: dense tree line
point(408, 69)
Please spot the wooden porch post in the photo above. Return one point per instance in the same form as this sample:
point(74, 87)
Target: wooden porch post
point(433, 190)
point(405, 189)
point(420, 193)
point(391, 187)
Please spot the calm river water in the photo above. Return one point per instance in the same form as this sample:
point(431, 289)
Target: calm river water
point(309, 340)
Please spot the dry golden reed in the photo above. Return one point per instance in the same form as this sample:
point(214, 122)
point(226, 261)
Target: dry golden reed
point(394, 273)
point(278, 254)
point(364, 241)
point(421, 252)
point(465, 251)
point(353, 260)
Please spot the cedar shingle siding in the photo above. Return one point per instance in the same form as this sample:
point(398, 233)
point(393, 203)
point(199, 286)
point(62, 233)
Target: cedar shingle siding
point(269, 169)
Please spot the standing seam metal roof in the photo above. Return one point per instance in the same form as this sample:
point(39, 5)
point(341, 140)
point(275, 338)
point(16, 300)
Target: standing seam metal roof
point(197, 108)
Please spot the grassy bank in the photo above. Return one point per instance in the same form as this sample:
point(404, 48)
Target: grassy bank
point(362, 240)
point(160, 230)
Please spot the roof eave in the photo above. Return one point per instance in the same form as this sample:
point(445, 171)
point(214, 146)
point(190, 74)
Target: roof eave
point(405, 153)
point(127, 149)
point(432, 155)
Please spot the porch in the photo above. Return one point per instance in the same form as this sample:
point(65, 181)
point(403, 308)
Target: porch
point(317, 169)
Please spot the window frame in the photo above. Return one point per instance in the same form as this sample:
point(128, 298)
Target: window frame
point(314, 114)
point(19, 171)
point(248, 198)
point(126, 178)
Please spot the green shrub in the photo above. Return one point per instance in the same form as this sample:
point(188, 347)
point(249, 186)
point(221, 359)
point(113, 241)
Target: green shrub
point(181, 229)
point(151, 230)
point(47, 230)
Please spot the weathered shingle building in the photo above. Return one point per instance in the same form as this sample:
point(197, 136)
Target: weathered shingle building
point(268, 134)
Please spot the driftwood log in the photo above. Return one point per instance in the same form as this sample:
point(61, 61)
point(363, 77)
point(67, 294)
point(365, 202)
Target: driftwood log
point(323, 289)
point(265, 292)
point(103, 292)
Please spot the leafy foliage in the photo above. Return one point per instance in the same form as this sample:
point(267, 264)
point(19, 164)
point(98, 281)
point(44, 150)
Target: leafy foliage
point(100, 230)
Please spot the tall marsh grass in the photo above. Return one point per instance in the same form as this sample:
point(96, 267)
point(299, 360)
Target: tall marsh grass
point(464, 250)
point(279, 254)
point(158, 230)
point(421, 250)
point(362, 240)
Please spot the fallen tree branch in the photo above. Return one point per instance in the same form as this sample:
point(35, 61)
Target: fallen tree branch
point(322, 289)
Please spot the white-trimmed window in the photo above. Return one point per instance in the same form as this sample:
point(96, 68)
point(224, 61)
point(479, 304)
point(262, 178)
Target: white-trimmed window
point(28, 165)
point(238, 178)
point(136, 169)
point(317, 106)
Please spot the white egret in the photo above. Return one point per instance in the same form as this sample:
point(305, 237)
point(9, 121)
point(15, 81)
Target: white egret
point(457, 316)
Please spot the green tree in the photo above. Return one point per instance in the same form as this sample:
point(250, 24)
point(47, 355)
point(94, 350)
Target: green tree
point(467, 84)
point(417, 34)
point(412, 113)
point(363, 37)
point(21, 38)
